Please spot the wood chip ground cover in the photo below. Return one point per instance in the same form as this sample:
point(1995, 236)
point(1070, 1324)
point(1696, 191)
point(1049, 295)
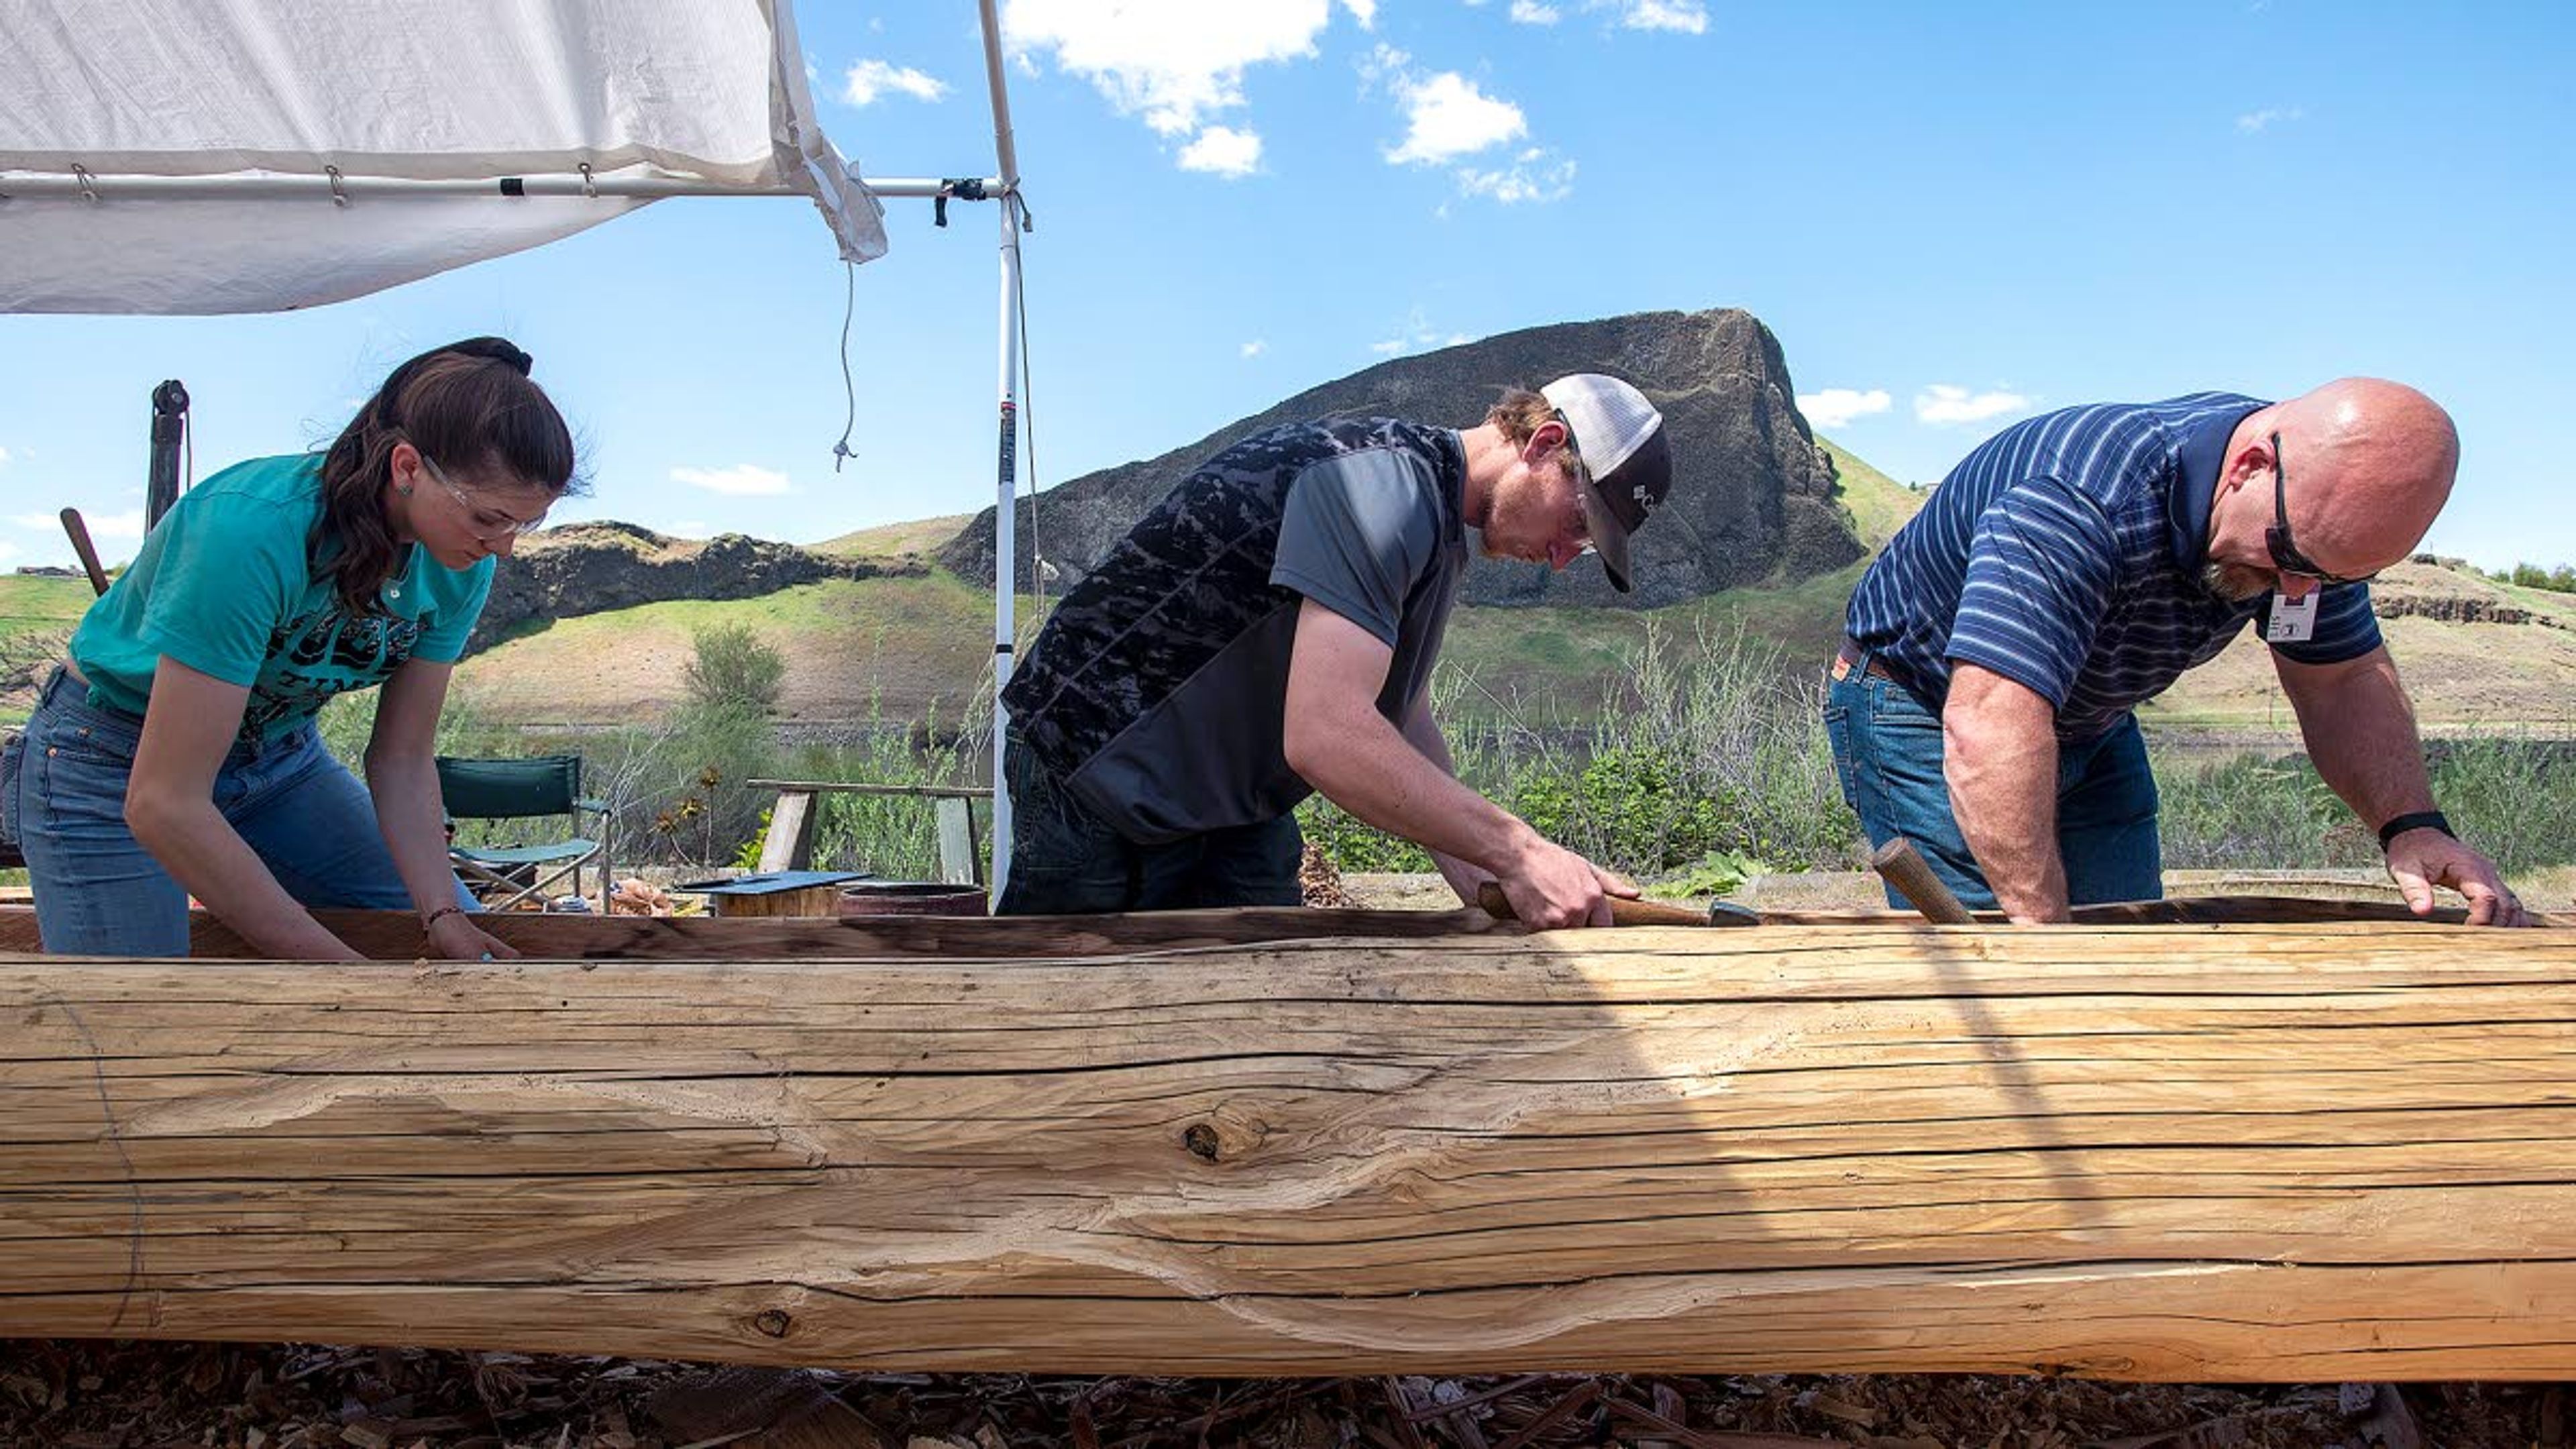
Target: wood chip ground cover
point(127, 1395)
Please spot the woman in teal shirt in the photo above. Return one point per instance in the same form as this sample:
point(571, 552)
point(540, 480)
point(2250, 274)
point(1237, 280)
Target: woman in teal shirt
point(174, 752)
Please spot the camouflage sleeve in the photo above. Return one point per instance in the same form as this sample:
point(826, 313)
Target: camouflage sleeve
point(1356, 532)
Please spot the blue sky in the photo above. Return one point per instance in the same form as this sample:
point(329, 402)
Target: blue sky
point(1952, 216)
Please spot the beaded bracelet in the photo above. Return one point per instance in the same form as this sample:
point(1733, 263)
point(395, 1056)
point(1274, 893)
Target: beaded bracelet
point(450, 909)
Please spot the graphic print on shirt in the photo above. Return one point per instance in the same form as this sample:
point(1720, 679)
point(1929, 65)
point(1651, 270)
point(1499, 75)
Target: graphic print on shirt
point(324, 653)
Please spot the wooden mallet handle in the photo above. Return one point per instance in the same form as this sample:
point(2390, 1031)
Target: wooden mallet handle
point(1903, 867)
point(79, 532)
point(1623, 911)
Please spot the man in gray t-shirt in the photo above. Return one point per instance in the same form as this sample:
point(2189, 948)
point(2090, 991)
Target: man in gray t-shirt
point(1269, 629)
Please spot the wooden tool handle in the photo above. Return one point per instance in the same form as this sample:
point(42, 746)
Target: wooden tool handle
point(1623, 911)
point(79, 532)
point(1903, 867)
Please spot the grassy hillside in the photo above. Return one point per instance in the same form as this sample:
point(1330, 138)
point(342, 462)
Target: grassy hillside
point(1878, 505)
point(855, 647)
point(899, 648)
point(36, 615)
point(896, 540)
point(30, 604)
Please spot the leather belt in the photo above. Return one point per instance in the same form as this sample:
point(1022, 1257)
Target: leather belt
point(1848, 656)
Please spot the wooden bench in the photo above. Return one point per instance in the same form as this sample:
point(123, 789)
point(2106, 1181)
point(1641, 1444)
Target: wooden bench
point(790, 844)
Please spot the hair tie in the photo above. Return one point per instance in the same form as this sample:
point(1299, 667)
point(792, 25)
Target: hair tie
point(494, 349)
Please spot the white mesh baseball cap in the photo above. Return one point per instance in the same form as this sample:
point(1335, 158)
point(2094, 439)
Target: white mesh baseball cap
point(1620, 438)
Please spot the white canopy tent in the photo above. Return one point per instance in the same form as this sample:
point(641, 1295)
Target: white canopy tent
point(220, 156)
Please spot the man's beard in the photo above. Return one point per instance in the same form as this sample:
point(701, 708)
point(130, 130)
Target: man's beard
point(2235, 582)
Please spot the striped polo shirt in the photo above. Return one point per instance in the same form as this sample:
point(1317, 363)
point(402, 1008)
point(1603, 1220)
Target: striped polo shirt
point(2065, 554)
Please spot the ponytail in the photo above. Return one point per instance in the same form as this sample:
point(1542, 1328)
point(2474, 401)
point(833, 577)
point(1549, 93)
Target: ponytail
point(469, 406)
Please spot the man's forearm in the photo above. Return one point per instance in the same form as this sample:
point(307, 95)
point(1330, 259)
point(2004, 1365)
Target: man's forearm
point(1377, 775)
point(1999, 757)
point(2360, 732)
point(1423, 733)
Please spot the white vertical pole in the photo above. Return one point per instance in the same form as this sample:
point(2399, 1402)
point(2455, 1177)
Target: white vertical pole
point(1006, 515)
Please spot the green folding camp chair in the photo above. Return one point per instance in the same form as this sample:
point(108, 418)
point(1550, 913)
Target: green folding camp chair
point(516, 789)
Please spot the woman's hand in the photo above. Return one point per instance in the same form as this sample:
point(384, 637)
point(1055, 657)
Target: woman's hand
point(453, 936)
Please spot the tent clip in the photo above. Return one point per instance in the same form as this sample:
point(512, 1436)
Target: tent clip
point(88, 183)
point(964, 188)
point(589, 183)
point(338, 196)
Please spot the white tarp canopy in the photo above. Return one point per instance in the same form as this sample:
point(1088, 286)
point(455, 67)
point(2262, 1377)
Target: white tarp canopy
point(201, 156)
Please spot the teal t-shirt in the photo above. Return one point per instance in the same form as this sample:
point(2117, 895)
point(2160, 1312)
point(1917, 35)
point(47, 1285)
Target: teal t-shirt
point(223, 586)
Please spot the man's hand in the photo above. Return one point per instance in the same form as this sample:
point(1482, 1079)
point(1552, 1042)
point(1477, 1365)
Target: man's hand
point(1550, 886)
point(2423, 859)
point(455, 937)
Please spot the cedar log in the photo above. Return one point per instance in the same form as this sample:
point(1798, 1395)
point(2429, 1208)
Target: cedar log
point(2191, 1153)
point(396, 935)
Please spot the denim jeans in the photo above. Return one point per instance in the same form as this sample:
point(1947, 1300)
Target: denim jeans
point(1067, 861)
point(100, 893)
point(1887, 755)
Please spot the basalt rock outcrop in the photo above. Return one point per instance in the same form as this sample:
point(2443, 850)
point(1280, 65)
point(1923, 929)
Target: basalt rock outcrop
point(588, 568)
point(1752, 498)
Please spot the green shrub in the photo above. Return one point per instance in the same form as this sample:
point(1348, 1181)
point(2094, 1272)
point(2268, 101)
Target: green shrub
point(1717, 749)
point(2509, 795)
point(730, 667)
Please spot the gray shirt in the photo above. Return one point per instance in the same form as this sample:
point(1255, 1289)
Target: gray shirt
point(1157, 690)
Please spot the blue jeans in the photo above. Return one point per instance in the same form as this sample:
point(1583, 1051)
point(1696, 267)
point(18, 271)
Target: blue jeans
point(1887, 755)
point(1066, 861)
point(100, 893)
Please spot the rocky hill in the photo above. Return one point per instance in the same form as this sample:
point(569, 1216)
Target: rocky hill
point(591, 568)
point(1752, 496)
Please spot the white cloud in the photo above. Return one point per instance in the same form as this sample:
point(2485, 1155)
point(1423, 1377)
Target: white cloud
point(1255, 348)
point(4, 457)
point(1175, 62)
point(1836, 407)
point(1688, 17)
point(1385, 63)
point(1449, 117)
point(742, 480)
point(870, 79)
point(1530, 177)
point(128, 524)
point(1224, 151)
point(1416, 334)
point(2253, 122)
point(1943, 405)
point(1531, 12)
point(1363, 11)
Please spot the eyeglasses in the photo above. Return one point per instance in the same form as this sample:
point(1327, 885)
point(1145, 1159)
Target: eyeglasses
point(2285, 551)
point(485, 523)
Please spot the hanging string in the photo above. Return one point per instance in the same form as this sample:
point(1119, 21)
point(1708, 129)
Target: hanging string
point(1029, 424)
point(849, 388)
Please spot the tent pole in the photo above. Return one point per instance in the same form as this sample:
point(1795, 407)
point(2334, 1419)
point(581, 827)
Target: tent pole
point(94, 186)
point(1006, 516)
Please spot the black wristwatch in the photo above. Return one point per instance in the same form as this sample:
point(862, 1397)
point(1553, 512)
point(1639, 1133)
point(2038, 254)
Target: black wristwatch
point(2413, 820)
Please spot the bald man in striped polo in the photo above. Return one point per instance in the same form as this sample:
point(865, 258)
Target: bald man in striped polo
point(2072, 567)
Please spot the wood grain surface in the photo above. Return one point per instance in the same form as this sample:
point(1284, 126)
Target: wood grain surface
point(2183, 1152)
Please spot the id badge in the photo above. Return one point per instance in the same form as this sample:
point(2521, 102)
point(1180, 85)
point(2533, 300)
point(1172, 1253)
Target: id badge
point(2291, 622)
